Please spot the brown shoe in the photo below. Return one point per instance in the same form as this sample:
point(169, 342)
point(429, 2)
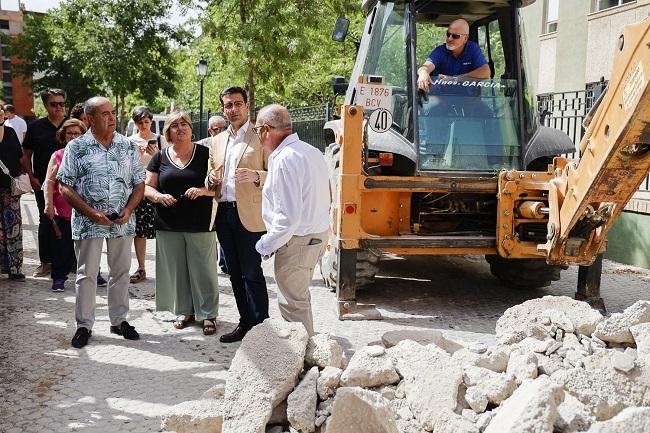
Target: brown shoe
point(43, 270)
point(138, 276)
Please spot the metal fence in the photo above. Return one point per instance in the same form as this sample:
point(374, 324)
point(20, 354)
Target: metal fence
point(566, 111)
point(308, 122)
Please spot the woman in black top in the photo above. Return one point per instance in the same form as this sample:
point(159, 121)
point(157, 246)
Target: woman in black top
point(11, 232)
point(186, 272)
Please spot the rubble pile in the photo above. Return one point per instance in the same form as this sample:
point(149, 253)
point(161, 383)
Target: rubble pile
point(558, 367)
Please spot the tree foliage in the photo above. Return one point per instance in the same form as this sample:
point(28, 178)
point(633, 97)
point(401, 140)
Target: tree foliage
point(118, 47)
point(279, 50)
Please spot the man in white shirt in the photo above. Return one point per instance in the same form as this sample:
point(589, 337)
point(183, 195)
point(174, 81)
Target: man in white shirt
point(15, 122)
point(216, 125)
point(236, 172)
point(295, 209)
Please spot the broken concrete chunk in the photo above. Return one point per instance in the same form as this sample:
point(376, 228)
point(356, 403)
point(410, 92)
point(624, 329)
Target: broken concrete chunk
point(641, 335)
point(263, 372)
point(367, 370)
point(432, 379)
point(531, 344)
point(607, 391)
point(279, 414)
point(532, 408)
point(546, 365)
point(477, 348)
point(322, 351)
point(554, 347)
point(194, 416)
point(633, 419)
point(616, 328)
point(424, 338)
point(496, 387)
point(495, 358)
point(623, 362)
point(216, 392)
point(362, 411)
point(512, 327)
point(301, 403)
point(484, 420)
point(328, 381)
point(449, 422)
point(574, 416)
point(522, 365)
point(470, 415)
point(476, 399)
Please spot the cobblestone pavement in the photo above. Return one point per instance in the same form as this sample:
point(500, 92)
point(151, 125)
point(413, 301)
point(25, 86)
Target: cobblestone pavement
point(115, 385)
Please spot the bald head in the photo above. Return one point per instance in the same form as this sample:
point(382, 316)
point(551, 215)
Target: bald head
point(275, 115)
point(459, 26)
point(96, 101)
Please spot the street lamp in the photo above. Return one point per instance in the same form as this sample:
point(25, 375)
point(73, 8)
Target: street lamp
point(201, 71)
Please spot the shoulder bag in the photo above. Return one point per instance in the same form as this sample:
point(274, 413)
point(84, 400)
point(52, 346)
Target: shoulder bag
point(19, 184)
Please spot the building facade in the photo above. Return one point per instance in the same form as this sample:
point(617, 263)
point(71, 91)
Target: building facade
point(14, 90)
point(570, 47)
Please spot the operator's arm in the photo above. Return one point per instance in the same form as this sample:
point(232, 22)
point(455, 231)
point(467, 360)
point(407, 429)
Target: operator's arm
point(424, 75)
point(482, 72)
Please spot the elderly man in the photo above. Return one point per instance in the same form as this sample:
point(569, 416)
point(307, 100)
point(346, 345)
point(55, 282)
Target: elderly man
point(39, 145)
point(102, 177)
point(458, 57)
point(216, 125)
point(295, 208)
point(15, 121)
point(236, 172)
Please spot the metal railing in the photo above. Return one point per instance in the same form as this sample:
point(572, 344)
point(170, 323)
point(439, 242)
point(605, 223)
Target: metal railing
point(308, 122)
point(566, 111)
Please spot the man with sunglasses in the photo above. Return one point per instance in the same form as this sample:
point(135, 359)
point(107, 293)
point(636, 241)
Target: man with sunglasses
point(236, 172)
point(216, 125)
point(40, 143)
point(458, 57)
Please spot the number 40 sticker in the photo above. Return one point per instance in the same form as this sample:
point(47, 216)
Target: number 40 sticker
point(380, 120)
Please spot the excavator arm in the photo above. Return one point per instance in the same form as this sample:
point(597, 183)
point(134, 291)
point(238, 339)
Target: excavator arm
point(581, 199)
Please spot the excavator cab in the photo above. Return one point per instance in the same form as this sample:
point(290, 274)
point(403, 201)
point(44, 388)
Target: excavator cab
point(466, 168)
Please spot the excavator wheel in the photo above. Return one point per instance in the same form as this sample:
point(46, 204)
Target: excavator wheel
point(367, 261)
point(523, 274)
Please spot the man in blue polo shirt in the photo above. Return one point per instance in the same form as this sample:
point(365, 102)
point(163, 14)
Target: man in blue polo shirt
point(458, 57)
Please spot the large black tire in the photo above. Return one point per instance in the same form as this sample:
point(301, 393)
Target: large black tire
point(523, 274)
point(367, 261)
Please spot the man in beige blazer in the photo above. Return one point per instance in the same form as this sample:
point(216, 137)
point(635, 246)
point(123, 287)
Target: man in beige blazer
point(236, 172)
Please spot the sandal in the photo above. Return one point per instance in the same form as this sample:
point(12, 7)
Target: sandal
point(210, 328)
point(181, 323)
point(138, 276)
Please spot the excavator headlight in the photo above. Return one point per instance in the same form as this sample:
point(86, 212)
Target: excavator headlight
point(386, 159)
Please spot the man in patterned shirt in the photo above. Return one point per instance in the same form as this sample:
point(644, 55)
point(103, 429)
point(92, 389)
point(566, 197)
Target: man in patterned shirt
point(102, 177)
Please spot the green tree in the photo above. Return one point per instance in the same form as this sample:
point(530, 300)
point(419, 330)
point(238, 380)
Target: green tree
point(118, 47)
point(279, 50)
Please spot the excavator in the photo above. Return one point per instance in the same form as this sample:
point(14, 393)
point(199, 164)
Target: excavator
point(466, 168)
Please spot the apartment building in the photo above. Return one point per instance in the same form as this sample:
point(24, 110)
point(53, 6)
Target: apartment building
point(14, 90)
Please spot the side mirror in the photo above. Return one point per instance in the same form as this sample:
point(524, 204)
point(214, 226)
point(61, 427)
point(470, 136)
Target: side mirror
point(339, 85)
point(340, 29)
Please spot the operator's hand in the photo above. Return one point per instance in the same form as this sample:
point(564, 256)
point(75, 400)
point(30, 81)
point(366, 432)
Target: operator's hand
point(124, 216)
point(424, 80)
point(243, 175)
point(165, 199)
point(36, 184)
point(193, 193)
point(100, 218)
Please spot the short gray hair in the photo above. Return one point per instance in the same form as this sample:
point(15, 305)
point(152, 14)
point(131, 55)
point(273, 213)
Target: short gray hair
point(216, 118)
point(275, 115)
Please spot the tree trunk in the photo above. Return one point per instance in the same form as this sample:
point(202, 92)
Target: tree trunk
point(122, 116)
point(250, 87)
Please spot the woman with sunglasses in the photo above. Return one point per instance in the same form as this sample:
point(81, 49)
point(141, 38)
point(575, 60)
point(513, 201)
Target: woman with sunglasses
point(186, 257)
point(457, 57)
point(58, 210)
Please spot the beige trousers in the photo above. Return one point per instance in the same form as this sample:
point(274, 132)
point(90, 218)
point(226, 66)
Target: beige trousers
point(294, 268)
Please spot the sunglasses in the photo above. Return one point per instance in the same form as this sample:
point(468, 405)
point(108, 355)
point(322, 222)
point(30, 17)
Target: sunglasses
point(455, 35)
point(56, 104)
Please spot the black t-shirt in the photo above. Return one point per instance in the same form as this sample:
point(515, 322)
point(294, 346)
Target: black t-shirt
point(10, 155)
point(186, 215)
point(41, 139)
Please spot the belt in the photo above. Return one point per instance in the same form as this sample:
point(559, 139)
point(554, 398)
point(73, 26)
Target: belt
point(228, 203)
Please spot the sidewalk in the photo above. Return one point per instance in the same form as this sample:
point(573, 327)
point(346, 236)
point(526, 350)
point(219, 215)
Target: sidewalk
point(115, 385)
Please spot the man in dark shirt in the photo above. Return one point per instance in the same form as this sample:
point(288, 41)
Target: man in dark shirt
point(458, 57)
point(40, 143)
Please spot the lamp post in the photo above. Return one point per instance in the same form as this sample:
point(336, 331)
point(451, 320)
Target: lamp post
point(201, 71)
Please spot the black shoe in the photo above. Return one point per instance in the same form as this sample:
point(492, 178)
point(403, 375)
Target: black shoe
point(17, 277)
point(125, 330)
point(81, 337)
point(237, 335)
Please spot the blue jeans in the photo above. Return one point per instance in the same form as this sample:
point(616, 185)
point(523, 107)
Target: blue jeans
point(244, 264)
